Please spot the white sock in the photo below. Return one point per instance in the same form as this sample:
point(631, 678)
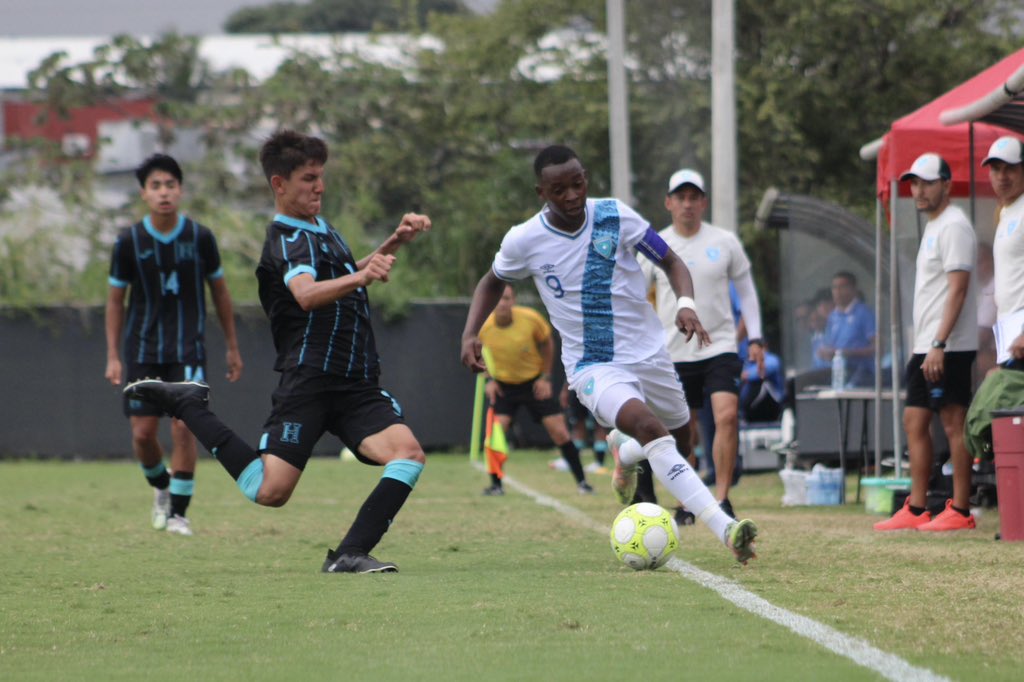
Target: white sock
point(631, 452)
point(685, 485)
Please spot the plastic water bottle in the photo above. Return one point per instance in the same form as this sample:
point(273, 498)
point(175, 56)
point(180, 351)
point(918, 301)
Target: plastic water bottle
point(838, 371)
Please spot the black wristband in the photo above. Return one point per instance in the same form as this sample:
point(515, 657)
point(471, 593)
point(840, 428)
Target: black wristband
point(757, 341)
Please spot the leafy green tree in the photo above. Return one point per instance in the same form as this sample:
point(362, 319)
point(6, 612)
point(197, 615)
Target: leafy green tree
point(336, 16)
point(454, 134)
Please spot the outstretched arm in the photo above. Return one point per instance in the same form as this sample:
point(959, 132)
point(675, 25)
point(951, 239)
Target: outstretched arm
point(412, 224)
point(486, 295)
point(682, 286)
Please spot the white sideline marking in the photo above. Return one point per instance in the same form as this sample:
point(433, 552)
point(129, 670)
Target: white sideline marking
point(859, 651)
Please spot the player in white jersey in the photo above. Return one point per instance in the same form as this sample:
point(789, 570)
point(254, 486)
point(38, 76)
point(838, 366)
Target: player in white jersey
point(581, 254)
point(715, 257)
point(945, 344)
point(1005, 163)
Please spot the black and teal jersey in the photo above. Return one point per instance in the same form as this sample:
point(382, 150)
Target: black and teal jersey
point(337, 338)
point(166, 276)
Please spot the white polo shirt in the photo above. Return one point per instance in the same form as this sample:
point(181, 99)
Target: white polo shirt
point(948, 244)
point(714, 257)
point(1008, 258)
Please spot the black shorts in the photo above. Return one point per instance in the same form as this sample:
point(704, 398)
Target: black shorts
point(714, 375)
point(165, 372)
point(514, 396)
point(307, 403)
point(955, 388)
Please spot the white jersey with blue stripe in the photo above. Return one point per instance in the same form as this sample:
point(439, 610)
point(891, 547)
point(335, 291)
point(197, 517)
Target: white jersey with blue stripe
point(590, 282)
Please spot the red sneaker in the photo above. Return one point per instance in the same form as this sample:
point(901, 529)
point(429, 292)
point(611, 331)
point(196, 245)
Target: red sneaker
point(949, 519)
point(904, 519)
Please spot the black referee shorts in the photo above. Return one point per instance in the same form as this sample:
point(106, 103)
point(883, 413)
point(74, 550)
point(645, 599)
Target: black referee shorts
point(515, 396)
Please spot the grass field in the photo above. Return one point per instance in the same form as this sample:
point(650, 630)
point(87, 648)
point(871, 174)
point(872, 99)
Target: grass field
point(489, 588)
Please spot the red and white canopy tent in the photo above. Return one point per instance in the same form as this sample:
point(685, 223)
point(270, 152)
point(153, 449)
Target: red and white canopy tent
point(959, 126)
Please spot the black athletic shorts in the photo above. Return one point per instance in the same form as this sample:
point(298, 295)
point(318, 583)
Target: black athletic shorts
point(717, 374)
point(514, 396)
point(307, 403)
point(954, 389)
point(166, 372)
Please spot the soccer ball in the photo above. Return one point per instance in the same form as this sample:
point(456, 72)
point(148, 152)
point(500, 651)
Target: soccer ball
point(644, 536)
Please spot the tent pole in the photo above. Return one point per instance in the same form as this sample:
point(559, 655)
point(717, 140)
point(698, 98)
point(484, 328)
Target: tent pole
point(970, 156)
point(894, 329)
point(878, 347)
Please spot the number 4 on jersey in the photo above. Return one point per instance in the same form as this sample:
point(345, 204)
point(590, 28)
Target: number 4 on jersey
point(169, 283)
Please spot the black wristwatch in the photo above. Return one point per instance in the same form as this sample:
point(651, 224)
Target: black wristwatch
point(941, 345)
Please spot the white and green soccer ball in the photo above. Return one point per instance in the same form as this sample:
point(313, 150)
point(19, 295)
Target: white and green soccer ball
point(644, 536)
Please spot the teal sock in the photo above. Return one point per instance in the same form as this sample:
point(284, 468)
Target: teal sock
point(251, 478)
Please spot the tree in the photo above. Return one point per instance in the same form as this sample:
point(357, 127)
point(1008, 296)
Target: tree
point(338, 16)
point(454, 135)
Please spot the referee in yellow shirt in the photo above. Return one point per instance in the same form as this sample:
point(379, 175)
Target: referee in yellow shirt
point(522, 352)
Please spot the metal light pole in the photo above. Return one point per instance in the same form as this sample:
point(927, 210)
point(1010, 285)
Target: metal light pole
point(723, 116)
point(618, 104)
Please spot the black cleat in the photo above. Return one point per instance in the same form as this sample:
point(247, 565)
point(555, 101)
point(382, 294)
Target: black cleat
point(726, 506)
point(494, 491)
point(351, 562)
point(684, 517)
point(169, 396)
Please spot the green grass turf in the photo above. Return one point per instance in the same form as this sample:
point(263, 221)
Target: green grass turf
point(489, 589)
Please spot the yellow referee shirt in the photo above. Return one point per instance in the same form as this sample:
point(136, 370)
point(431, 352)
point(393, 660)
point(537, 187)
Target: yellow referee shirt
point(514, 348)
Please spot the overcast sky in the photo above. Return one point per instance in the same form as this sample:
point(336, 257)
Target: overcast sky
point(108, 17)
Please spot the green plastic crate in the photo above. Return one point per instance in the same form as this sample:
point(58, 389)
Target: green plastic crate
point(878, 493)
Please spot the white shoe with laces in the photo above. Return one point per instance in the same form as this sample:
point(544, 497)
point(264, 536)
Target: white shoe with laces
point(161, 508)
point(179, 525)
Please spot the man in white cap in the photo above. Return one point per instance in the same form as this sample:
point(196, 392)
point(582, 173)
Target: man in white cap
point(945, 344)
point(715, 258)
point(1005, 163)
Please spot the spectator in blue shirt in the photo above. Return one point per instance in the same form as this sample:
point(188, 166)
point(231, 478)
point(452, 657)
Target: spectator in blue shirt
point(851, 329)
point(762, 398)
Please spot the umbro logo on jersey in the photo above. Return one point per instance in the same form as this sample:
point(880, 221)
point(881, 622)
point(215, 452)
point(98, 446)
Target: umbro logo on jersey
point(605, 247)
point(547, 267)
point(1012, 227)
point(713, 254)
point(143, 255)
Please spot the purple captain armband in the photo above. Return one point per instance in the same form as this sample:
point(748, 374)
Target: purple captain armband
point(653, 246)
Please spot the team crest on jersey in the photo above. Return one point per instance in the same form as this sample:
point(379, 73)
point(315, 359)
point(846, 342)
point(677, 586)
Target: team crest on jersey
point(184, 251)
point(605, 247)
point(1012, 227)
point(589, 388)
point(713, 254)
point(931, 244)
point(323, 247)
